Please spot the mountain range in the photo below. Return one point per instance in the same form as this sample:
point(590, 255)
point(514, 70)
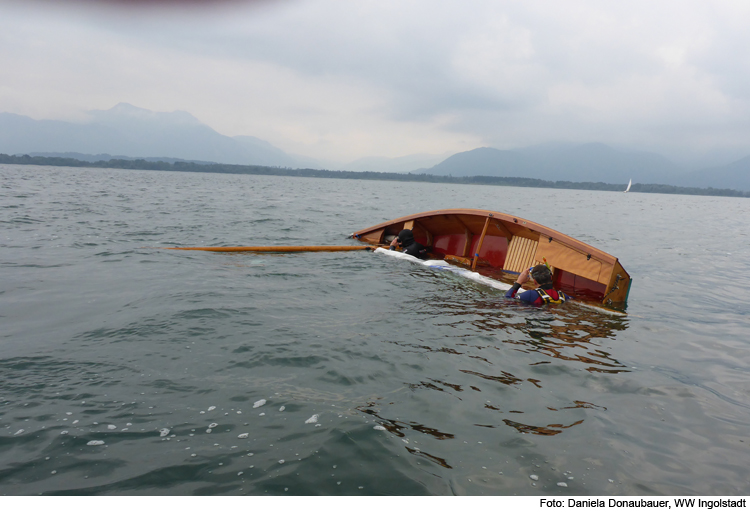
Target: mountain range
point(592, 162)
point(575, 163)
point(126, 131)
point(129, 131)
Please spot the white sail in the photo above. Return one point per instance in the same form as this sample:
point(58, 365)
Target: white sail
point(629, 184)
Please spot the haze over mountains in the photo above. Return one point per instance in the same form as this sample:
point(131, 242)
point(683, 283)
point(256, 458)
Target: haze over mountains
point(129, 131)
point(572, 162)
point(126, 131)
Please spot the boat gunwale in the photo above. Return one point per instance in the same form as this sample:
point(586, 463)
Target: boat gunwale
point(515, 220)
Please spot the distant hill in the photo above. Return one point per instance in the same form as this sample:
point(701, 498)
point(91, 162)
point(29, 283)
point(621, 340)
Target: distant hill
point(129, 131)
point(105, 158)
point(402, 164)
point(575, 163)
point(735, 176)
point(141, 164)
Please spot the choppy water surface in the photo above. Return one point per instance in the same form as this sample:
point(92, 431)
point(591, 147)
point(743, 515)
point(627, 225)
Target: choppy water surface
point(127, 370)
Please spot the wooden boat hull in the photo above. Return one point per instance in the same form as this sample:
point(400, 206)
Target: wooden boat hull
point(489, 241)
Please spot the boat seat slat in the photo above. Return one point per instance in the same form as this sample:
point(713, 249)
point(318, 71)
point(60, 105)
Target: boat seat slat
point(521, 252)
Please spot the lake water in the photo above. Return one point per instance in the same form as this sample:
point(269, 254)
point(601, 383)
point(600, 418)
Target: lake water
point(129, 370)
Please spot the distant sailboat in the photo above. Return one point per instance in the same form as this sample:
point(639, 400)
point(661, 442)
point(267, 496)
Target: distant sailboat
point(629, 184)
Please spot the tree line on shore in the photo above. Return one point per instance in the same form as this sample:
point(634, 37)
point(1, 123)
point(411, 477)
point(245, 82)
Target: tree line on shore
point(192, 167)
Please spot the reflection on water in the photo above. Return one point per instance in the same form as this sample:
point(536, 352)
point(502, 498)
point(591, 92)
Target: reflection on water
point(552, 429)
point(482, 374)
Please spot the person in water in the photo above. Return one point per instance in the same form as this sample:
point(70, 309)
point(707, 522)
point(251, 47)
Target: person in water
point(543, 294)
point(405, 239)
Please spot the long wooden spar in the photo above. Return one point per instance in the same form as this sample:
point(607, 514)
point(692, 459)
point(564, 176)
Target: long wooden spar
point(481, 240)
point(274, 249)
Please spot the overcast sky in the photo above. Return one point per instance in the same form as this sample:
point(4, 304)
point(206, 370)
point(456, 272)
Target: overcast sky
point(343, 79)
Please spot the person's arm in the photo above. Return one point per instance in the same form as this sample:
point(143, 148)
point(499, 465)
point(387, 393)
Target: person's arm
point(522, 278)
point(394, 243)
point(512, 291)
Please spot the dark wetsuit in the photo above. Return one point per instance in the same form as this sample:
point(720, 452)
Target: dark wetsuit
point(411, 246)
point(538, 297)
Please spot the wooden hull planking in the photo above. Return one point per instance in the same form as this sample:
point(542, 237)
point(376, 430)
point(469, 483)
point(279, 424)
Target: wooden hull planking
point(509, 243)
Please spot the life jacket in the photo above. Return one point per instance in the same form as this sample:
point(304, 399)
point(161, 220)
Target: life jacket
point(549, 300)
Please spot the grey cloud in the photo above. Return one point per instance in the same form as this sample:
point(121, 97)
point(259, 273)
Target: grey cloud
point(505, 72)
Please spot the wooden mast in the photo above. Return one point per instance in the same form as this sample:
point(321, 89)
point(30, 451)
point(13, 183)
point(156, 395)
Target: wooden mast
point(481, 239)
point(274, 249)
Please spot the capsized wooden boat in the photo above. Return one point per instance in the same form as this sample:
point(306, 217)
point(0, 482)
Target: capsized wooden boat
point(492, 242)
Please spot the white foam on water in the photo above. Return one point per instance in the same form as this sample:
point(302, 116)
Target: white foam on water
point(212, 425)
point(209, 430)
point(281, 461)
point(476, 277)
point(562, 484)
point(64, 432)
point(163, 432)
point(260, 403)
point(312, 420)
point(533, 477)
point(445, 266)
point(111, 426)
point(211, 408)
point(19, 432)
point(379, 428)
point(95, 443)
point(282, 408)
point(243, 435)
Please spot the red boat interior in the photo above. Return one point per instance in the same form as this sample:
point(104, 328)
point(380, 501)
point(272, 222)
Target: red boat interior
point(500, 246)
